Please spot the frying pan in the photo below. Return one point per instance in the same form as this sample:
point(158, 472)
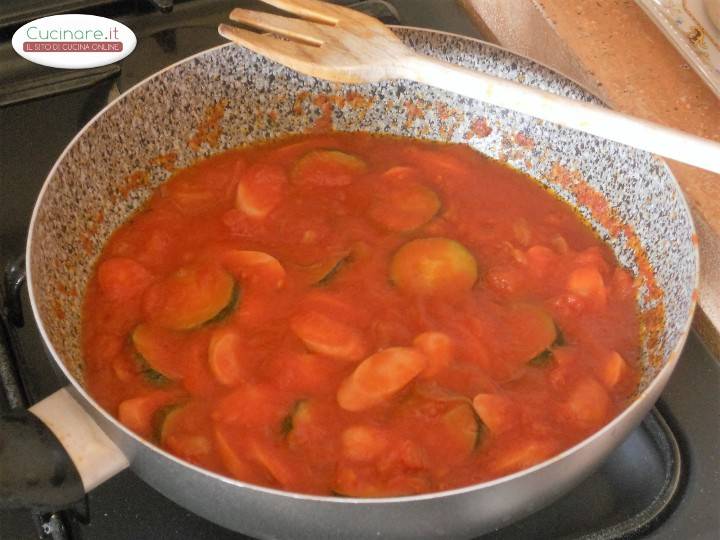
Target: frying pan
point(228, 96)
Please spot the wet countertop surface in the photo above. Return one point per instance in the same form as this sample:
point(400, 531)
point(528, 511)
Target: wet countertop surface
point(612, 48)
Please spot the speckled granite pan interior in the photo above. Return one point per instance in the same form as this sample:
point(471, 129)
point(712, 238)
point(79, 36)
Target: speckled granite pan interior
point(229, 96)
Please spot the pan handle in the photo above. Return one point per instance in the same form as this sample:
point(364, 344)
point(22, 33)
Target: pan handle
point(53, 454)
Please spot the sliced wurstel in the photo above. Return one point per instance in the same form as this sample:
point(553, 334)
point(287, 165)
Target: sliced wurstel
point(326, 336)
point(233, 460)
point(380, 376)
point(327, 168)
point(225, 357)
point(260, 189)
point(255, 267)
point(438, 347)
point(363, 443)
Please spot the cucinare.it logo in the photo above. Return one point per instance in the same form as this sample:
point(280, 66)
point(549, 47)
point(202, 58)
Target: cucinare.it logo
point(74, 41)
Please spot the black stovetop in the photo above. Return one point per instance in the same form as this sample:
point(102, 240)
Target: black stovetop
point(663, 482)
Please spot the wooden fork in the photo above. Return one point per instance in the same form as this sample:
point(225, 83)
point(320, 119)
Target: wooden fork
point(342, 45)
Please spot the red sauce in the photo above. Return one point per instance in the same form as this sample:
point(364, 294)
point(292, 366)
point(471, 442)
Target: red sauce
point(359, 315)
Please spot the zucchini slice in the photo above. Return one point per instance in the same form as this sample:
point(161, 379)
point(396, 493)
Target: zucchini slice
point(327, 168)
point(151, 375)
point(463, 427)
point(154, 350)
point(322, 273)
point(433, 266)
point(528, 332)
point(192, 296)
point(185, 431)
point(225, 312)
point(497, 412)
point(403, 206)
point(298, 415)
point(138, 413)
point(543, 358)
point(163, 418)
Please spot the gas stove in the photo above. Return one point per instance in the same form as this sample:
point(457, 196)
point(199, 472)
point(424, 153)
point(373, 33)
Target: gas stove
point(662, 482)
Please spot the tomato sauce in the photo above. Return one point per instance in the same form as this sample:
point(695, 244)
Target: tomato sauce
point(361, 316)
